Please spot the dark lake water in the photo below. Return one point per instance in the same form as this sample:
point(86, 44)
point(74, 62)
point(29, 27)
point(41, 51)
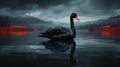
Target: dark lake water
point(87, 50)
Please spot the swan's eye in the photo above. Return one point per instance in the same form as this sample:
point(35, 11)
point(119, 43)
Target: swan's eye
point(77, 18)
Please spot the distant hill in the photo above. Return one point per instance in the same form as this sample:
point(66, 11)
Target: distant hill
point(4, 21)
point(112, 21)
point(27, 21)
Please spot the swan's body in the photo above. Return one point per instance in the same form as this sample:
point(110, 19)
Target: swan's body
point(57, 32)
point(61, 32)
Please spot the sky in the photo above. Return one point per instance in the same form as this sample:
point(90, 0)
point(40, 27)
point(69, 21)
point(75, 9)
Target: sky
point(60, 10)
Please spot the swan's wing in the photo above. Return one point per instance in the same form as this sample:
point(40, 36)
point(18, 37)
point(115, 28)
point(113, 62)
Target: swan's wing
point(57, 30)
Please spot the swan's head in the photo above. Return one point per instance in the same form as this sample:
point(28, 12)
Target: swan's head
point(74, 15)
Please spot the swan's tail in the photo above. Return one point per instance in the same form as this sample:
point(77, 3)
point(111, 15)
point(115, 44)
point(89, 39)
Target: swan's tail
point(42, 35)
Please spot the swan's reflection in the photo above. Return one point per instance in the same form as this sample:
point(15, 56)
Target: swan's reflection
point(62, 46)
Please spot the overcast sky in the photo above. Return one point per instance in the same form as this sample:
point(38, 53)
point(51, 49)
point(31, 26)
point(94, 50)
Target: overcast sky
point(60, 10)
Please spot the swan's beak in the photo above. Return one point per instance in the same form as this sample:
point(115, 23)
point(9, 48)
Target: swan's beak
point(77, 18)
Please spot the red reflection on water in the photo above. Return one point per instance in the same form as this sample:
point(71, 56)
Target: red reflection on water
point(19, 33)
point(15, 30)
point(108, 30)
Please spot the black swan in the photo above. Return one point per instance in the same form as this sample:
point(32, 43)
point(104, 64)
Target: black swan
point(61, 32)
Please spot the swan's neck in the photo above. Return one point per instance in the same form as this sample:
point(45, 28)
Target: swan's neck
point(72, 27)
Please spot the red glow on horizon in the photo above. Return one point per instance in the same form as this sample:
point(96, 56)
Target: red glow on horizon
point(20, 33)
point(108, 30)
point(14, 30)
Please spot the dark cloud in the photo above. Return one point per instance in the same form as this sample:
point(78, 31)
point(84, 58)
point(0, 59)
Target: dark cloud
point(22, 4)
point(106, 4)
point(60, 10)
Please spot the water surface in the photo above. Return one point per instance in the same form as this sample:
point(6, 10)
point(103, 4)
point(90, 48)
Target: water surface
point(91, 49)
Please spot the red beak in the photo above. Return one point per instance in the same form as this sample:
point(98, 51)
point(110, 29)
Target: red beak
point(77, 18)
